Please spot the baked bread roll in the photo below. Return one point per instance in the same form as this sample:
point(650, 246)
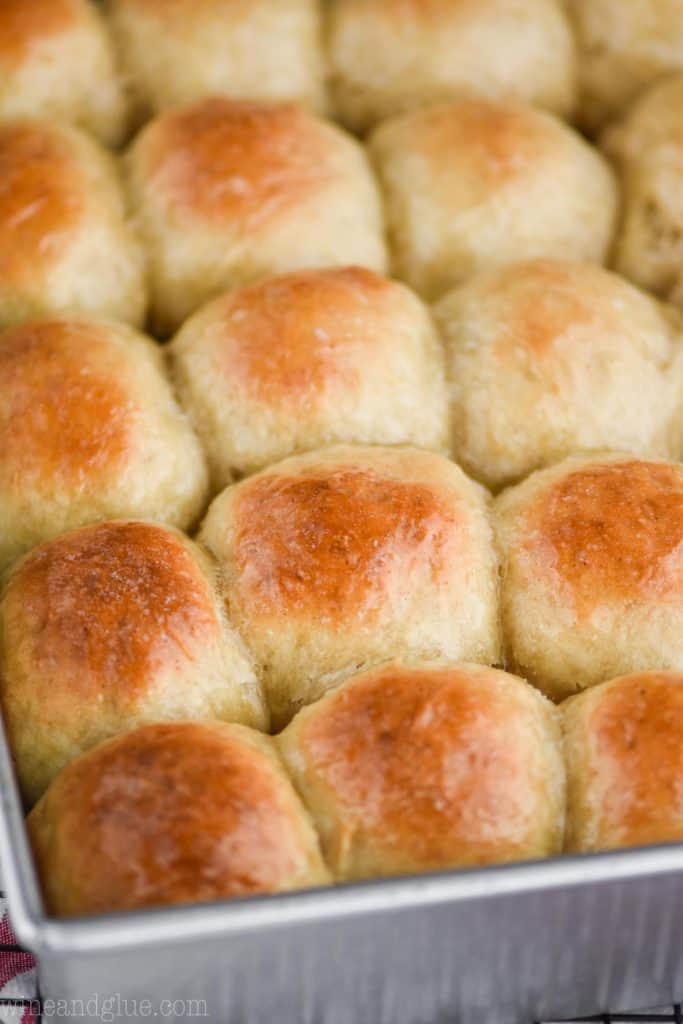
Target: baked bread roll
point(179, 52)
point(89, 429)
point(64, 241)
point(107, 628)
point(301, 360)
point(592, 571)
point(182, 812)
point(624, 755)
point(225, 192)
point(623, 46)
point(428, 768)
point(344, 557)
point(546, 358)
point(389, 56)
point(476, 184)
point(57, 61)
point(648, 147)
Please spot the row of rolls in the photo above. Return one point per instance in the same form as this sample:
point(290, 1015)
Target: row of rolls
point(355, 602)
point(110, 66)
point(223, 190)
point(401, 769)
point(517, 369)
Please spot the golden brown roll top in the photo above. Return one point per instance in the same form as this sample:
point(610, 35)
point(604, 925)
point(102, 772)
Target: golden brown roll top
point(427, 768)
point(545, 358)
point(172, 813)
point(64, 241)
point(475, 184)
point(227, 191)
point(89, 429)
point(647, 144)
point(306, 359)
point(108, 627)
point(250, 49)
point(57, 61)
point(623, 47)
point(350, 555)
point(389, 56)
point(624, 753)
point(592, 571)
point(41, 198)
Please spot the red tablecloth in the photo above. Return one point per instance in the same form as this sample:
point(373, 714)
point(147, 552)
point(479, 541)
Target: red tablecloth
point(17, 976)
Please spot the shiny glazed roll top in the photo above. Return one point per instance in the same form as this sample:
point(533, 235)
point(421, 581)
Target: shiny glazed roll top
point(624, 750)
point(57, 61)
point(409, 769)
point(89, 429)
point(475, 184)
point(183, 812)
point(65, 243)
point(592, 571)
point(344, 557)
point(301, 360)
point(547, 357)
point(226, 191)
point(106, 628)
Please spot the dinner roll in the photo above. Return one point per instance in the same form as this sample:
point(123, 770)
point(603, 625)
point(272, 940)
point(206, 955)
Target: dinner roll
point(624, 752)
point(546, 358)
point(109, 627)
point(226, 191)
point(57, 61)
point(64, 241)
point(427, 768)
point(181, 812)
point(592, 571)
point(389, 56)
point(648, 147)
point(89, 430)
point(624, 46)
point(306, 359)
point(182, 51)
point(344, 557)
point(476, 184)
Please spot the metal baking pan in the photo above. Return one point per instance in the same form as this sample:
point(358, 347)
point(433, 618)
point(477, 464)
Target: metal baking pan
point(516, 943)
